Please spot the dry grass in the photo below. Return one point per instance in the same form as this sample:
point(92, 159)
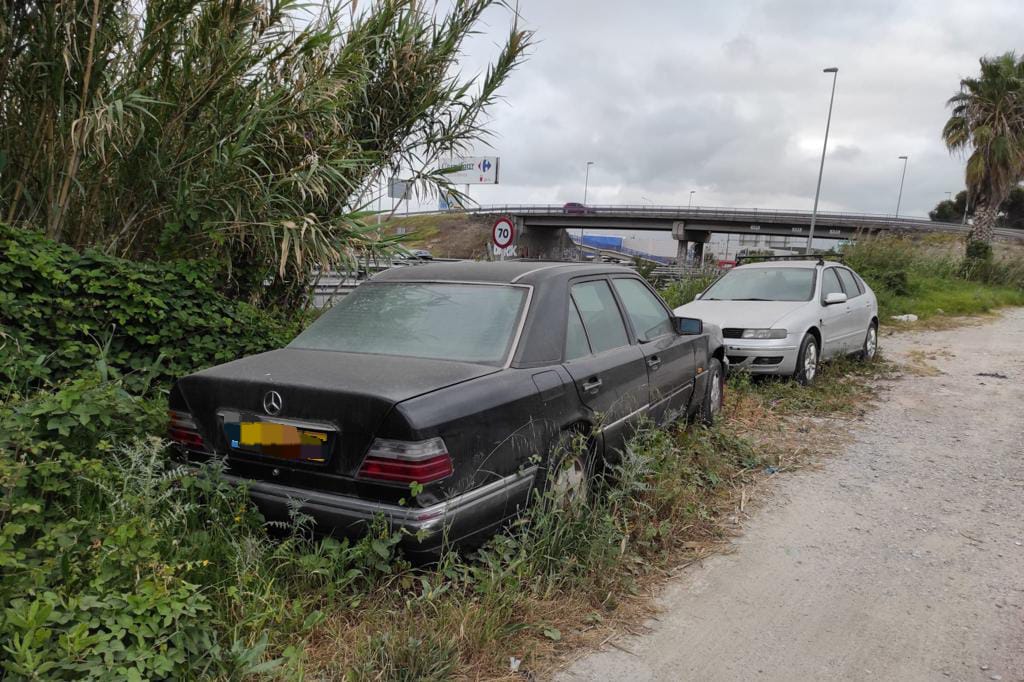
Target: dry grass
point(706, 483)
point(918, 363)
point(448, 235)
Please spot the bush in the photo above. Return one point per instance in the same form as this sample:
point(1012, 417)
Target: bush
point(978, 251)
point(116, 563)
point(61, 311)
point(927, 276)
point(682, 291)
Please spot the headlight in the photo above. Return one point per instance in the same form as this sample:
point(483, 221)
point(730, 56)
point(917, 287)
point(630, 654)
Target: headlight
point(764, 333)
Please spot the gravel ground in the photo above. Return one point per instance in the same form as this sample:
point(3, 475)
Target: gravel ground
point(903, 558)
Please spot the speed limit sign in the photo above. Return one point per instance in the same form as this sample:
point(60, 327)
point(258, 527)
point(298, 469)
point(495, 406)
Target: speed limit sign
point(503, 233)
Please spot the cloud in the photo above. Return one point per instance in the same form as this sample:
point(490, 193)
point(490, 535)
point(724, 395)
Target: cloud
point(729, 99)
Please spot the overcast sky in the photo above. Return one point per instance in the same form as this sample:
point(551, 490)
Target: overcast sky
point(729, 99)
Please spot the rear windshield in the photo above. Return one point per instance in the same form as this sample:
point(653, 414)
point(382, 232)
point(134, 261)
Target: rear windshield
point(465, 322)
point(763, 284)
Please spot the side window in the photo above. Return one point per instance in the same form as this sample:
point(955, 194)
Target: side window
point(600, 315)
point(645, 312)
point(849, 283)
point(830, 283)
point(576, 344)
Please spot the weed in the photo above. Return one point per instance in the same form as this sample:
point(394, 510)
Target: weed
point(928, 277)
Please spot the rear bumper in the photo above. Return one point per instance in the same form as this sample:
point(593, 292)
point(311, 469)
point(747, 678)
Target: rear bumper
point(470, 515)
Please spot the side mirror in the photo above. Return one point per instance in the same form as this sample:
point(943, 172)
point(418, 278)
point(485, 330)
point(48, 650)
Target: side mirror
point(835, 297)
point(698, 296)
point(688, 326)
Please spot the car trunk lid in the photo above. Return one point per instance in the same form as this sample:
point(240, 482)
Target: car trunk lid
point(343, 396)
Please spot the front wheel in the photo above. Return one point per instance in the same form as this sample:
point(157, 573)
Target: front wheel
point(714, 393)
point(870, 347)
point(807, 361)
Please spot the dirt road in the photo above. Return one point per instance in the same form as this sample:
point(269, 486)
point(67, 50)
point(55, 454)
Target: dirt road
point(901, 559)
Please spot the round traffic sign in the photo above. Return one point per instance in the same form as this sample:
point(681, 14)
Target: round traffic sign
point(504, 232)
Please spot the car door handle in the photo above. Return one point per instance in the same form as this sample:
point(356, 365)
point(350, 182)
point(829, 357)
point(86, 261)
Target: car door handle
point(592, 386)
point(654, 362)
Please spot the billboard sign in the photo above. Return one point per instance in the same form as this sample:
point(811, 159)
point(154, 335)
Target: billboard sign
point(474, 170)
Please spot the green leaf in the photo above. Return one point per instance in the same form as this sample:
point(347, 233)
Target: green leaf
point(554, 634)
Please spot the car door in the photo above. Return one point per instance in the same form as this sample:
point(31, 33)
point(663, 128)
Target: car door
point(860, 309)
point(669, 356)
point(609, 371)
point(835, 320)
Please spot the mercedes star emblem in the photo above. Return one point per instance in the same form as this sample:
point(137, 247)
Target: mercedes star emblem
point(272, 403)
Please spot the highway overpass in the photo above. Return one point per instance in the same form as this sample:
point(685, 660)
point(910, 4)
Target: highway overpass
point(542, 227)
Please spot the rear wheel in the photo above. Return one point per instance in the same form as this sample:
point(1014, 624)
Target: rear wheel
point(870, 348)
point(714, 393)
point(807, 361)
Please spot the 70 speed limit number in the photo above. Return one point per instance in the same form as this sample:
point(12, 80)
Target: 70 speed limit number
point(503, 233)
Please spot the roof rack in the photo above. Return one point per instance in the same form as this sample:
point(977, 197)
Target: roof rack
point(809, 256)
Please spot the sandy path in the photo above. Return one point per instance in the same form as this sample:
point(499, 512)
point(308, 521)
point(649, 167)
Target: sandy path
point(903, 558)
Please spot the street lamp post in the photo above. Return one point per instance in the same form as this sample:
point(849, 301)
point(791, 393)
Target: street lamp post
point(899, 197)
point(586, 182)
point(834, 70)
point(586, 186)
point(689, 204)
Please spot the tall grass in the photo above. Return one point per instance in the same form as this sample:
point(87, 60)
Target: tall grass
point(928, 276)
point(682, 291)
point(250, 131)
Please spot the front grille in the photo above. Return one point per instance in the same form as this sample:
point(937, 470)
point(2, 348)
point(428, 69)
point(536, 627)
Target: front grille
point(736, 359)
point(732, 333)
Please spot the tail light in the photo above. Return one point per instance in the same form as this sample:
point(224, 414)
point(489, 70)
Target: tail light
point(184, 431)
point(401, 461)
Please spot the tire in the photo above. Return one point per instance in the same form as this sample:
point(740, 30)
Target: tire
point(870, 347)
point(807, 360)
point(714, 393)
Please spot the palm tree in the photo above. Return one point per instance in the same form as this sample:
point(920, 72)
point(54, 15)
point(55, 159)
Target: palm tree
point(988, 121)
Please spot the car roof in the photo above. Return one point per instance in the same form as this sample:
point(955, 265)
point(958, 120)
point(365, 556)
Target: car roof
point(785, 264)
point(498, 272)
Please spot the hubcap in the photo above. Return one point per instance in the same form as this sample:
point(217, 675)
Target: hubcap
point(871, 344)
point(568, 484)
point(810, 361)
point(716, 392)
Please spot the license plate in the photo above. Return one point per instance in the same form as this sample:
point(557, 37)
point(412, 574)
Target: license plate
point(284, 441)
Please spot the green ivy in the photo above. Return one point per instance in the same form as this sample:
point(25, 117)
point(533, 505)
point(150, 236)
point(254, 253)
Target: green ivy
point(61, 311)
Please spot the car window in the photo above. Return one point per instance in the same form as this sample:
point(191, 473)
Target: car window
point(576, 344)
point(763, 284)
point(830, 283)
point(446, 321)
point(849, 283)
point(649, 318)
point(600, 314)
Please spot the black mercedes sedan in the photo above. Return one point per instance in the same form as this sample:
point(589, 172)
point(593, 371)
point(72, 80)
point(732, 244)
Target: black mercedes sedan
point(434, 395)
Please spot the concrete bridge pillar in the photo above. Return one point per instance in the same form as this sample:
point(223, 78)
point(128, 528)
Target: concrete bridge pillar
point(682, 243)
point(682, 251)
point(684, 237)
point(698, 251)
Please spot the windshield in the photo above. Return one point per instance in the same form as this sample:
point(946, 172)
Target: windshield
point(465, 322)
point(763, 284)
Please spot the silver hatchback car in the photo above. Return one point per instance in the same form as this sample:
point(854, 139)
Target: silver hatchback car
point(785, 316)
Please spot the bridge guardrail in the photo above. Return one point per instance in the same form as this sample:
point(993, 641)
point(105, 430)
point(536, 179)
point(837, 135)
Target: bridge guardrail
point(754, 215)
